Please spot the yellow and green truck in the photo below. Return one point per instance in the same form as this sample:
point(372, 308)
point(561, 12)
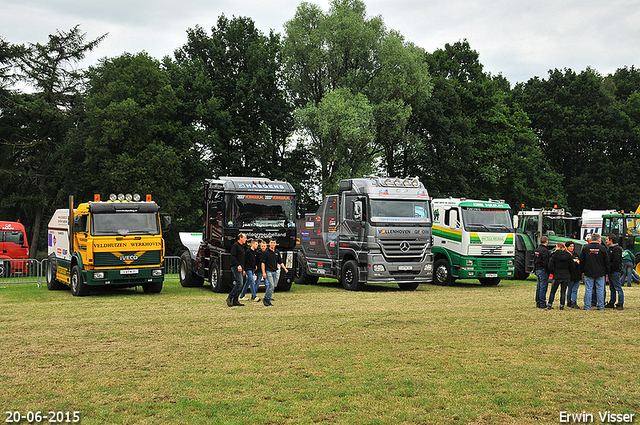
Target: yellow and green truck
point(115, 243)
point(472, 239)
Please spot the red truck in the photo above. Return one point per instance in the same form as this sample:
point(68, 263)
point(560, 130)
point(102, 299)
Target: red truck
point(13, 246)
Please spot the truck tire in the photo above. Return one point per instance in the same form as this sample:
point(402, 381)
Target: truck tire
point(52, 265)
point(152, 288)
point(188, 279)
point(638, 262)
point(302, 278)
point(351, 276)
point(442, 272)
point(215, 279)
point(489, 281)
point(78, 287)
point(283, 285)
point(5, 269)
point(520, 267)
point(409, 286)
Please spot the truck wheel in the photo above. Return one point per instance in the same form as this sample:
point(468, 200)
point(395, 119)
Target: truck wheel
point(351, 276)
point(489, 281)
point(215, 278)
point(442, 273)
point(5, 269)
point(188, 279)
point(302, 278)
point(152, 288)
point(78, 287)
point(52, 266)
point(409, 286)
point(520, 267)
point(283, 286)
point(638, 262)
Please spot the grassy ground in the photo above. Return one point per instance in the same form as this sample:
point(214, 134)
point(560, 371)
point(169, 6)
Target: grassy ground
point(439, 355)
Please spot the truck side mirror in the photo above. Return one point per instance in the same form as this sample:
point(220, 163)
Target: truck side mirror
point(357, 210)
point(166, 222)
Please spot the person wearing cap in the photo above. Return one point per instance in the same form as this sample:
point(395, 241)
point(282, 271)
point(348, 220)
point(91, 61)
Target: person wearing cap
point(594, 263)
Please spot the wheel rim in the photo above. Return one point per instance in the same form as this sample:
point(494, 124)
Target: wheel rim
point(442, 274)
point(214, 278)
point(183, 270)
point(74, 282)
point(348, 276)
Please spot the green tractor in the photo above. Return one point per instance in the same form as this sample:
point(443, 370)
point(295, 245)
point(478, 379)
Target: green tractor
point(556, 224)
point(627, 227)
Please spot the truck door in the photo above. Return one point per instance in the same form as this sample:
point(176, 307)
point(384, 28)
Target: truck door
point(330, 227)
point(351, 231)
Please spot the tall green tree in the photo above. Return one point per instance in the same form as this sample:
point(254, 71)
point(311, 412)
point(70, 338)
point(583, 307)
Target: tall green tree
point(35, 123)
point(586, 134)
point(131, 140)
point(473, 141)
point(230, 84)
point(327, 54)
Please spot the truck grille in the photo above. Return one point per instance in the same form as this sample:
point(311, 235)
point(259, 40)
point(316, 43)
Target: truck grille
point(403, 249)
point(490, 263)
point(112, 259)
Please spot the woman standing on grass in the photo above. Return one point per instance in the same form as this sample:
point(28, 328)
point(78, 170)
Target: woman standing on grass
point(561, 265)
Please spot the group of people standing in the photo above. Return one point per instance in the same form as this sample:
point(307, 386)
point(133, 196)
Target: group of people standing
point(254, 264)
point(595, 262)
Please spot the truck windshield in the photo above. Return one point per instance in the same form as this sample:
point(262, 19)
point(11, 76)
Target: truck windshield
point(486, 220)
point(263, 211)
point(398, 211)
point(12, 237)
point(124, 223)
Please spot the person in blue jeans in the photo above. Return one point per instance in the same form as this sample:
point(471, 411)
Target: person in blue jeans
point(271, 261)
point(250, 268)
point(576, 276)
point(594, 262)
point(615, 269)
point(628, 260)
point(541, 267)
point(236, 260)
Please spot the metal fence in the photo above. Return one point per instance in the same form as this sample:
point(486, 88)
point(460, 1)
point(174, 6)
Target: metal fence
point(33, 271)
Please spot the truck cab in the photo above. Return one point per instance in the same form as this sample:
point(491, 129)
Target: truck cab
point(473, 239)
point(13, 246)
point(375, 230)
point(258, 207)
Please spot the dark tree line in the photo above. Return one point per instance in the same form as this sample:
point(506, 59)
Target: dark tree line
point(336, 95)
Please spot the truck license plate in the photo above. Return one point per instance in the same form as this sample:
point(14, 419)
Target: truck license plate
point(129, 271)
point(491, 275)
point(405, 268)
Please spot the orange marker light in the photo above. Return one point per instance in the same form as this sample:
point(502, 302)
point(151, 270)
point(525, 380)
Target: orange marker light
point(96, 197)
point(148, 197)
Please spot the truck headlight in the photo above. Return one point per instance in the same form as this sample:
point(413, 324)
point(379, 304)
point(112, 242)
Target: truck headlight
point(428, 267)
point(509, 262)
point(156, 272)
point(98, 275)
point(378, 268)
point(469, 262)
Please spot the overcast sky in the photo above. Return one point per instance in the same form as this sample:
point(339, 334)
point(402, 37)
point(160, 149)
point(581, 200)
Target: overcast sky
point(516, 38)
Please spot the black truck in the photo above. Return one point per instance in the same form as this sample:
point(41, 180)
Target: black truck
point(258, 207)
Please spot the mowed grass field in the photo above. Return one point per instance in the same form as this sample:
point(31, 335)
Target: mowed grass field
point(465, 354)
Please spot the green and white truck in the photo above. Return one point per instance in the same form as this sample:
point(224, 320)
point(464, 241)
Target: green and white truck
point(472, 239)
